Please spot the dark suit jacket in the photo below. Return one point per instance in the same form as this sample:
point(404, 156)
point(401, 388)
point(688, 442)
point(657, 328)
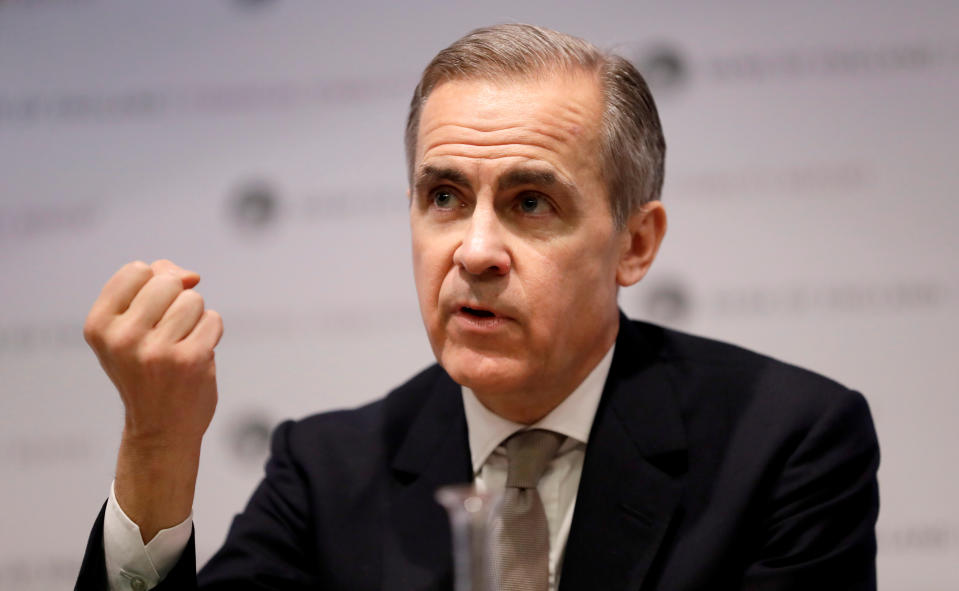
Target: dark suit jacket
point(708, 467)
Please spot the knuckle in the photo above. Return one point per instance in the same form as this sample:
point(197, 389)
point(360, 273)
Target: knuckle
point(166, 280)
point(163, 283)
point(163, 266)
point(153, 355)
point(191, 298)
point(179, 358)
point(137, 269)
point(122, 338)
point(93, 329)
point(190, 358)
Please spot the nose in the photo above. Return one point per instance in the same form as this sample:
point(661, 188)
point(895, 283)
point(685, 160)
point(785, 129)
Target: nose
point(482, 250)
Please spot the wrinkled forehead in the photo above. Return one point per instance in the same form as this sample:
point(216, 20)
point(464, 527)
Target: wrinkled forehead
point(559, 112)
point(582, 81)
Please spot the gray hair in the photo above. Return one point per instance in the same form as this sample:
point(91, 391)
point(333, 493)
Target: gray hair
point(632, 144)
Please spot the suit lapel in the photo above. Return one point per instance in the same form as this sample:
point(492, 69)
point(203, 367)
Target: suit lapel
point(434, 453)
point(631, 483)
point(632, 473)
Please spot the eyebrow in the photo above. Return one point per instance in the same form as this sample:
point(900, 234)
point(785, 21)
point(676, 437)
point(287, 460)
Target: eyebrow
point(529, 176)
point(429, 175)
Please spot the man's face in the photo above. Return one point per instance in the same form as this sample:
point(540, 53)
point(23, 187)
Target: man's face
point(515, 252)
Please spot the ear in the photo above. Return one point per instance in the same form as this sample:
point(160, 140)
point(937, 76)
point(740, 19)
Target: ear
point(642, 236)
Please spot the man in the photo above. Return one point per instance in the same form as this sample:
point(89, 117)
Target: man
point(674, 462)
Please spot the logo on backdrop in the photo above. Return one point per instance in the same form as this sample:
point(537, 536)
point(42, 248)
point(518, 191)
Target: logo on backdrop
point(249, 437)
point(843, 298)
point(668, 301)
point(664, 67)
point(918, 538)
point(254, 205)
point(32, 220)
point(671, 301)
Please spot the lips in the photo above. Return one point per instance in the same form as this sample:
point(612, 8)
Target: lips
point(477, 312)
point(472, 316)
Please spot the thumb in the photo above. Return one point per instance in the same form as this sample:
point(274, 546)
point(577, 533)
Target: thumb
point(189, 278)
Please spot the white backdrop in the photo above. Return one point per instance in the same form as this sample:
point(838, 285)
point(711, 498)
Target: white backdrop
point(810, 184)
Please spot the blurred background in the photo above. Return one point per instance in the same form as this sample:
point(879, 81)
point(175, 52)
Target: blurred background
point(811, 187)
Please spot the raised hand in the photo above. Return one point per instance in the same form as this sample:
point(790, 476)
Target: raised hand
point(155, 341)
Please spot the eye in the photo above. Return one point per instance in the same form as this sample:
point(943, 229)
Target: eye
point(533, 204)
point(444, 199)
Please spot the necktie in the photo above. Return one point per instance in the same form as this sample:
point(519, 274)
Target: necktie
point(521, 555)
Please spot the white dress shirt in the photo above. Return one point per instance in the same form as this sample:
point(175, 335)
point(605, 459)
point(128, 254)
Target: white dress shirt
point(133, 566)
point(559, 484)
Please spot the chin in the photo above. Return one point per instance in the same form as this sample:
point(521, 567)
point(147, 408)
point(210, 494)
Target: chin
point(482, 372)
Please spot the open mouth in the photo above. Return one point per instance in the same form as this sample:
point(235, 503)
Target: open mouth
point(477, 313)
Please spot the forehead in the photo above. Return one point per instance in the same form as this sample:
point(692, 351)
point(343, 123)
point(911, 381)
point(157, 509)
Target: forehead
point(553, 118)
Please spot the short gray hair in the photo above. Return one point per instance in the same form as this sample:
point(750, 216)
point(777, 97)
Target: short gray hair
point(633, 148)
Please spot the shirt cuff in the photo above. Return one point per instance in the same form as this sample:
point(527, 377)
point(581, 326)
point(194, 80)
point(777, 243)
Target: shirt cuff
point(131, 565)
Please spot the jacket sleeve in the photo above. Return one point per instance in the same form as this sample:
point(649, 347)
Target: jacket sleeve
point(266, 548)
point(93, 570)
point(270, 544)
point(819, 529)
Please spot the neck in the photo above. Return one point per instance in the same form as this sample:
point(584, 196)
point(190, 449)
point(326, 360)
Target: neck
point(525, 408)
point(529, 404)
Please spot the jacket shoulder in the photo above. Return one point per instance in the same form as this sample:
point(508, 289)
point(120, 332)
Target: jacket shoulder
point(381, 424)
point(711, 371)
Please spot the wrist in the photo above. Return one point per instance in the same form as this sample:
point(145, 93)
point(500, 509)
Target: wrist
point(155, 482)
point(160, 444)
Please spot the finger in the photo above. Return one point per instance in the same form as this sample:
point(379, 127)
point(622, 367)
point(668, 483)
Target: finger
point(119, 290)
point(153, 299)
point(189, 278)
point(207, 332)
point(182, 315)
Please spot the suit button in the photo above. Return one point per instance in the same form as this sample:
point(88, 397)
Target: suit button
point(138, 584)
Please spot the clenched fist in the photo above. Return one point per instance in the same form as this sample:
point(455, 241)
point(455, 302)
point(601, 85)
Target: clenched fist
point(155, 341)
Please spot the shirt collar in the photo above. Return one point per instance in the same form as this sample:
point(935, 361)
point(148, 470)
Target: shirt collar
point(572, 418)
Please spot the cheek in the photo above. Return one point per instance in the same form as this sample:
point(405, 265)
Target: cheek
point(430, 267)
point(570, 284)
point(424, 274)
point(545, 285)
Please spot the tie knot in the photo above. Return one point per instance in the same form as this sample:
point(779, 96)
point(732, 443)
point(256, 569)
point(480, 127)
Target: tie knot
point(528, 453)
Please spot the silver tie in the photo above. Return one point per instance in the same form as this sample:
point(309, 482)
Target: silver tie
point(521, 555)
